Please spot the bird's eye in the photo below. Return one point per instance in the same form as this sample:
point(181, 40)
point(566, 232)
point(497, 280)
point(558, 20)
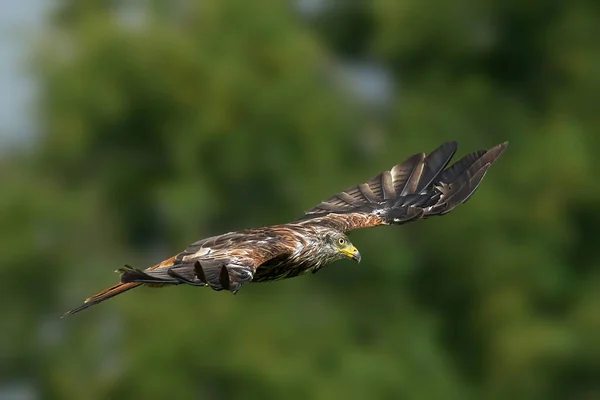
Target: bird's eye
point(341, 241)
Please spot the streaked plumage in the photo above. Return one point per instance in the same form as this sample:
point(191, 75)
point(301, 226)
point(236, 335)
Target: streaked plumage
point(419, 187)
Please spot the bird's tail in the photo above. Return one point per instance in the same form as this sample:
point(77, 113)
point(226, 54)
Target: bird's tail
point(121, 287)
point(104, 295)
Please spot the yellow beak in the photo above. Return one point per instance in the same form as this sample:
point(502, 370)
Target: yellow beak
point(352, 252)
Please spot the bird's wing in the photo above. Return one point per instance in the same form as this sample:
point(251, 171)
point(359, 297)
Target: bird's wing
point(222, 262)
point(419, 187)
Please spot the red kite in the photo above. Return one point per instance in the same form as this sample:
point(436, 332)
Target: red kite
point(419, 187)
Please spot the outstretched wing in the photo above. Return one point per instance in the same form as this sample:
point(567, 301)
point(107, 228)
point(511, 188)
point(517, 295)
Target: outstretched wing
point(419, 187)
point(222, 262)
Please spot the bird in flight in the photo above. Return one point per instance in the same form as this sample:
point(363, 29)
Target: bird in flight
point(422, 186)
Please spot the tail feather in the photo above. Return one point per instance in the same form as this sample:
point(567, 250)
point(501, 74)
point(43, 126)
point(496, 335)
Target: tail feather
point(103, 295)
point(127, 283)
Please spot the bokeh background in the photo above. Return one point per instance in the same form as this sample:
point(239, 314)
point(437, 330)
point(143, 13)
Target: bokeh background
point(133, 128)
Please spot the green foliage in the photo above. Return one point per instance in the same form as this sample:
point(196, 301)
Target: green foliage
point(174, 121)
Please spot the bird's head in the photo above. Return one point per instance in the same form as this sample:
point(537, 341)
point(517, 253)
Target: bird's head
point(339, 247)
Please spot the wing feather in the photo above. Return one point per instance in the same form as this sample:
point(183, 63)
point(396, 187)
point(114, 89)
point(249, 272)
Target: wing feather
point(387, 185)
point(224, 262)
point(435, 162)
point(367, 192)
point(419, 187)
point(403, 171)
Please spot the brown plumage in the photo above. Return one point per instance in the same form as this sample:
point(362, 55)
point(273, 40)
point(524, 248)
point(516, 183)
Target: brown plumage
point(419, 187)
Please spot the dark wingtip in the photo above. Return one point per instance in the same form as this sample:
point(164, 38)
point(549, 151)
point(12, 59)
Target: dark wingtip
point(496, 151)
point(132, 275)
point(453, 144)
point(502, 146)
point(447, 148)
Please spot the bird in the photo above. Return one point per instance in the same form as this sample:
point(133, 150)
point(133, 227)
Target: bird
point(422, 186)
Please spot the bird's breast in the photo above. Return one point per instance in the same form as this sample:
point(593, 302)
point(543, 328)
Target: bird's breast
point(282, 269)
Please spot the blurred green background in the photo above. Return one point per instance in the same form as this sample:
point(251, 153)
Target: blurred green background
point(161, 122)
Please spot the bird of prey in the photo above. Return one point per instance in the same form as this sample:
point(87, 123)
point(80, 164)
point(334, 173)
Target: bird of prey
point(422, 186)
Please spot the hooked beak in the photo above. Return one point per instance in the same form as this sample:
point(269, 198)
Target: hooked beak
point(352, 253)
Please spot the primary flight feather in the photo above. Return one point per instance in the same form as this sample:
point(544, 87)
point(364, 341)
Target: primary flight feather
point(420, 187)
